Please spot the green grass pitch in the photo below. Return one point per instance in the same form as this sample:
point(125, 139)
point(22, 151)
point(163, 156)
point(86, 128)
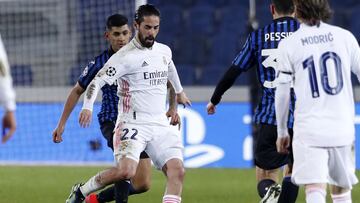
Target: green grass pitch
point(30, 184)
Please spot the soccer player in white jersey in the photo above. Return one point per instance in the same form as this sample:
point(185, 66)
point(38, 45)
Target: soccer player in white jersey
point(141, 69)
point(318, 60)
point(7, 96)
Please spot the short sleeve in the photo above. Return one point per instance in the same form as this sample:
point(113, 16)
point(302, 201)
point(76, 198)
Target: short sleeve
point(284, 65)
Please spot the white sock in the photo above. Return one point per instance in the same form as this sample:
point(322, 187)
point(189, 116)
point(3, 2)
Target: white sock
point(342, 198)
point(315, 195)
point(171, 199)
point(91, 185)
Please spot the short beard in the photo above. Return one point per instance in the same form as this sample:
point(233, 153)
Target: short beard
point(146, 44)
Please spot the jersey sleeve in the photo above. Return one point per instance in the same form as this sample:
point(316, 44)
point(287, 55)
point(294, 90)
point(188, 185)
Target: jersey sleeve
point(285, 74)
point(7, 92)
point(111, 71)
point(355, 57)
point(89, 73)
point(174, 78)
point(245, 59)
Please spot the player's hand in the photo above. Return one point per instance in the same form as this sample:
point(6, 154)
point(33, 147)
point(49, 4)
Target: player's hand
point(181, 98)
point(282, 144)
point(85, 118)
point(57, 134)
point(8, 126)
point(210, 108)
point(174, 117)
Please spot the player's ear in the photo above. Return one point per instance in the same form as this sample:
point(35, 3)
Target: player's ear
point(106, 35)
point(272, 9)
point(136, 26)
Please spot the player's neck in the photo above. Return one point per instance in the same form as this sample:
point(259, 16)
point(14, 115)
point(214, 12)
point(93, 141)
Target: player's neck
point(278, 15)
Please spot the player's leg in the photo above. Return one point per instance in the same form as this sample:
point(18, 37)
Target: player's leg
point(108, 194)
point(315, 193)
point(142, 180)
point(175, 172)
point(342, 173)
point(265, 179)
point(340, 195)
point(125, 169)
point(126, 151)
point(268, 161)
point(289, 191)
point(138, 184)
point(122, 187)
point(166, 152)
point(311, 169)
point(121, 190)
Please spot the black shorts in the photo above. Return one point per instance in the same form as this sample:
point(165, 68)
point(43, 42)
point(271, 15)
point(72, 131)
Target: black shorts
point(266, 155)
point(107, 130)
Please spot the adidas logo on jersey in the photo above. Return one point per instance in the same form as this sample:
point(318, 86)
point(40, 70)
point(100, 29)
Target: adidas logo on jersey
point(144, 64)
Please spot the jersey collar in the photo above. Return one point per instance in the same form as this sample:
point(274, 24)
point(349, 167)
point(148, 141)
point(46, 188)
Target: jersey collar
point(138, 45)
point(284, 18)
point(111, 51)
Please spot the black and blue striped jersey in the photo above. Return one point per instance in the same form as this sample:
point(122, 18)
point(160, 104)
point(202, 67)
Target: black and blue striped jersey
point(109, 105)
point(260, 50)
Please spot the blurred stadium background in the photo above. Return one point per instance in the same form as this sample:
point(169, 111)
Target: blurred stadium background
point(49, 42)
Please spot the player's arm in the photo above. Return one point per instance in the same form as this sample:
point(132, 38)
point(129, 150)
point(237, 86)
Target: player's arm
point(173, 77)
point(282, 101)
point(85, 78)
point(70, 103)
point(355, 56)
point(243, 61)
point(111, 71)
point(172, 111)
point(224, 84)
point(7, 96)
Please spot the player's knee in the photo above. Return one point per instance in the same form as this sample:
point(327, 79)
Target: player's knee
point(176, 170)
point(125, 173)
point(143, 186)
point(316, 188)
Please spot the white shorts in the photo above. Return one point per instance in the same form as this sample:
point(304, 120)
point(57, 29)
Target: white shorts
point(333, 165)
point(160, 142)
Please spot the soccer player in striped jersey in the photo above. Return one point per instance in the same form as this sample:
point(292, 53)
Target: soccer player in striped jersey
point(117, 34)
point(7, 96)
point(318, 60)
point(260, 50)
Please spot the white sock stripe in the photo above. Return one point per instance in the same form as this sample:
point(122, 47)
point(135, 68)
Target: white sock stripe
point(316, 189)
point(315, 195)
point(342, 197)
point(171, 199)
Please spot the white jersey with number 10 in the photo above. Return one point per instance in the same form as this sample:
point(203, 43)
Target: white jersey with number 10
point(320, 60)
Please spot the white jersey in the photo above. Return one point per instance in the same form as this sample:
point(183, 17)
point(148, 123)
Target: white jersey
point(320, 59)
point(142, 75)
point(7, 93)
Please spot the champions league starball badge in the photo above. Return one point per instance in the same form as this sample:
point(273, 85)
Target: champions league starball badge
point(111, 71)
